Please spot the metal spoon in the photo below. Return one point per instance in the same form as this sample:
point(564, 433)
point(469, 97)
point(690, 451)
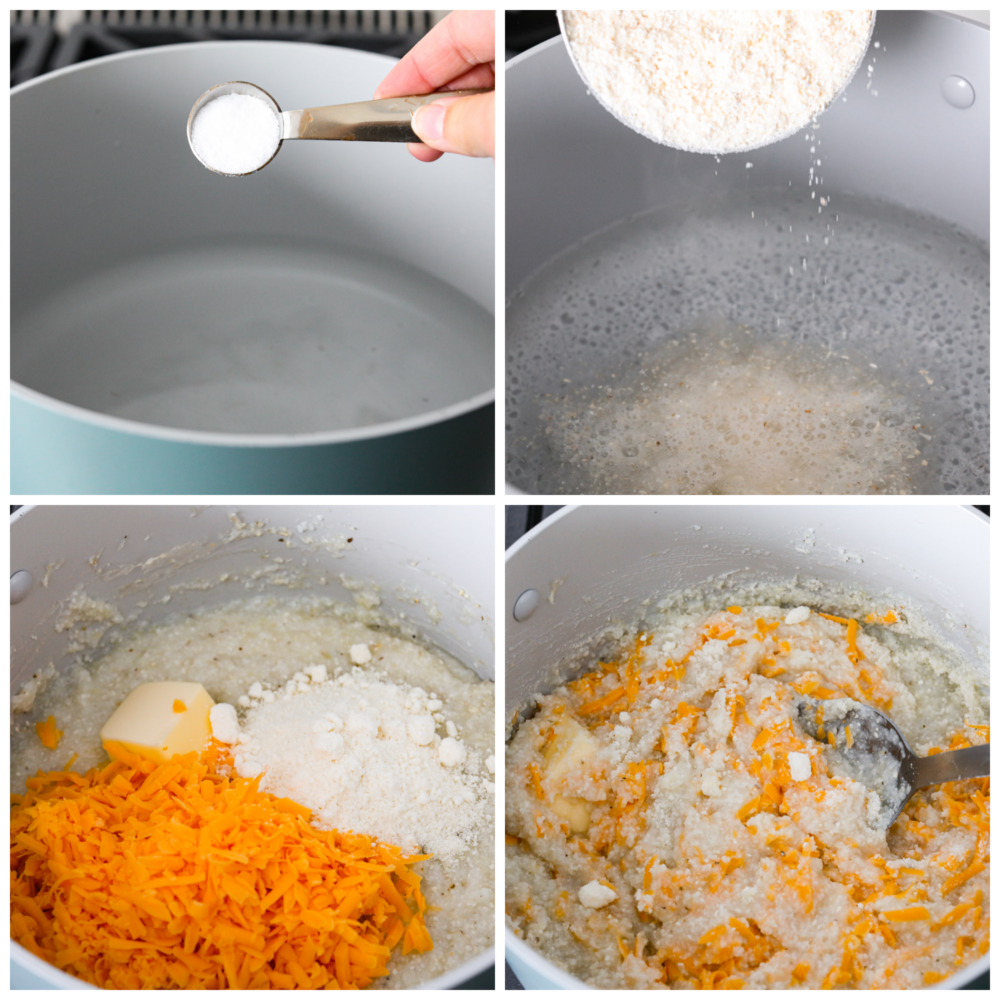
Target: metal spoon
point(879, 756)
point(387, 120)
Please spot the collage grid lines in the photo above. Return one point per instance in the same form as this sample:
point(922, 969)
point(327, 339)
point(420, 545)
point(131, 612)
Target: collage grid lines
point(515, 513)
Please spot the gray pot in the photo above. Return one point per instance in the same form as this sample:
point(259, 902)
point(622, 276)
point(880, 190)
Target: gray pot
point(321, 326)
point(572, 170)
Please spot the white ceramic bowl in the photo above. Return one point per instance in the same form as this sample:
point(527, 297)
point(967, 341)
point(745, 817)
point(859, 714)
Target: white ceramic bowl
point(444, 556)
point(609, 559)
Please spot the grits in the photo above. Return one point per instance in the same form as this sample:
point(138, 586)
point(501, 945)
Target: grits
point(263, 640)
point(670, 826)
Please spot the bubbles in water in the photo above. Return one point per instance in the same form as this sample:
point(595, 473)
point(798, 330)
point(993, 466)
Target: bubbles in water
point(885, 328)
point(774, 420)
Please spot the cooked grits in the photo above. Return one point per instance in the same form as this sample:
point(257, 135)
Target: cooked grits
point(264, 640)
point(670, 825)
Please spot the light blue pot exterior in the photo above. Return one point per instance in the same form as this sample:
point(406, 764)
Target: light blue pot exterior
point(52, 453)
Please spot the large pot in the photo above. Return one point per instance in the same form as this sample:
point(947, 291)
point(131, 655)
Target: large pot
point(435, 564)
point(322, 326)
point(600, 563)
point(572, 169)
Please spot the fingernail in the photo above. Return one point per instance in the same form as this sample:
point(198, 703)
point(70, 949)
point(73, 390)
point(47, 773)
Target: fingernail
point(428, 122)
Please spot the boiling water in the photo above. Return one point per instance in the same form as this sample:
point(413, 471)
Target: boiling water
point(755, 347)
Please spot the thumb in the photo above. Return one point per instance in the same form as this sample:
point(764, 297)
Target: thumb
point(457, 124)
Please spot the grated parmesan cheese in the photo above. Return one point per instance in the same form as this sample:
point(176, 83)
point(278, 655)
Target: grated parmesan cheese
point(594, 895)
point(797, 615)
point(364, 754)
point(799, 766)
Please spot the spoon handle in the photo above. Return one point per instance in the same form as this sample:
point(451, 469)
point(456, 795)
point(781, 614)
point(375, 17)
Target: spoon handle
point(953, 765)
point(387, 120)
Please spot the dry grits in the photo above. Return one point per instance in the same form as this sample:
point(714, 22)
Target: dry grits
point(670, 826)
point(263, 645)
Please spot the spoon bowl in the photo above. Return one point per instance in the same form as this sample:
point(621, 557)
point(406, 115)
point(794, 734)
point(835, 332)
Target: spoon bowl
point(869, 748)
point(223, 90)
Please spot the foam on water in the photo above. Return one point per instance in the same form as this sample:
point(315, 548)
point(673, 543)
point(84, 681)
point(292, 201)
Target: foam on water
point(861, 332)
point(718, 413)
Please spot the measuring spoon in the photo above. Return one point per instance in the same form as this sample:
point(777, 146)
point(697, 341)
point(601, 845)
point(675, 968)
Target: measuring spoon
point(387, 120)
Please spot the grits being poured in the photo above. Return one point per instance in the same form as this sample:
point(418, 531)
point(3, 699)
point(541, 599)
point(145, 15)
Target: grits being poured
point(264, 795)
point(671, 826)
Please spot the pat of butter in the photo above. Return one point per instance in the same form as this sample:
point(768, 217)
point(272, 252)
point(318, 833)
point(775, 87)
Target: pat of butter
point(572, 748)
point(161, 719)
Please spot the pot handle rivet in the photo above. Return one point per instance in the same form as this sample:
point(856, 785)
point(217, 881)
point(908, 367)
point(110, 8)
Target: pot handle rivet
point(958, 92)
point(20, 585)
point(526, 605)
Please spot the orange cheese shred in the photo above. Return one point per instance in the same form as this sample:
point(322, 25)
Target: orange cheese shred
point(833, 618)
point(48, 734)
point(956, 914)
point(854, 654)
point(910, 913)
point(602, 703)
point(179, 706)
point(536, 781)
point(962, 877)
point(169, 876)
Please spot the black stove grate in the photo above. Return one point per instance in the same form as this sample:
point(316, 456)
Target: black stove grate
point(42, 41)
point(528, 28)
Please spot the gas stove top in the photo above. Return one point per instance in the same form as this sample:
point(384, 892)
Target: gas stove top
point(42, 41)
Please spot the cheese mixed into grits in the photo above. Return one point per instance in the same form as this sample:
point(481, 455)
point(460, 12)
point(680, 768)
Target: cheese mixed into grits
point(671, 826)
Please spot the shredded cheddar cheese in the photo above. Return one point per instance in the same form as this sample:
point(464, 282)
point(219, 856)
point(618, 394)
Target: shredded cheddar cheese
point(910, 913)
point(602, 704)
point(145, 876)
point(48, 734)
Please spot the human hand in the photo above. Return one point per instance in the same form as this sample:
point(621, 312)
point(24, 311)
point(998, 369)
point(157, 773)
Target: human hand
point(457, 53)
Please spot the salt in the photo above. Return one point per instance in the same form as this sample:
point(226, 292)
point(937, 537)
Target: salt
point(235, 134)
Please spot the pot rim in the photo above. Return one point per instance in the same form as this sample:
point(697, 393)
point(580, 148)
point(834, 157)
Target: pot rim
point(182, 435)
point(563, 980)
point(453, 978)
point(793, 502)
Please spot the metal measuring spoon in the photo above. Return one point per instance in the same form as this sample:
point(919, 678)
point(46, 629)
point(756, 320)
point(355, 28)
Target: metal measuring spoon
point(879, 756)
point(387, 120)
